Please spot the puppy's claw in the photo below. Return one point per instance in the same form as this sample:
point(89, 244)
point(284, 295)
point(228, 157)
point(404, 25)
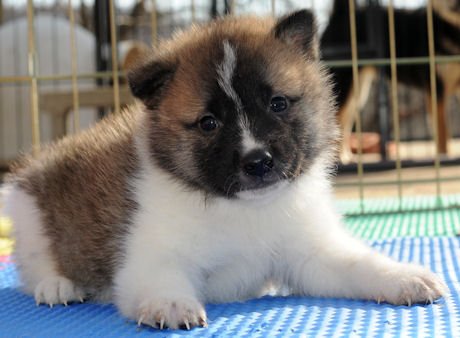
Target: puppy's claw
point(162, 323)
point(81, 299)
point(409, 302)
point(65, 303)
point(141, 319)
point(203, 322)
point(379, 300)
point(51, 305)
point(187, 324)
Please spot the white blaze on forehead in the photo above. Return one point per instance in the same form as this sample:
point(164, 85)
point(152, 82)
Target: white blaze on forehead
point(225, 74)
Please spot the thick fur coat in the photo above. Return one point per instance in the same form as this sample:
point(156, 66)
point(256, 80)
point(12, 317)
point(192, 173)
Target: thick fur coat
point(213, 188)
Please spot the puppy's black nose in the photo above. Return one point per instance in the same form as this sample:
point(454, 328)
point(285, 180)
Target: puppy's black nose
point(258, 163)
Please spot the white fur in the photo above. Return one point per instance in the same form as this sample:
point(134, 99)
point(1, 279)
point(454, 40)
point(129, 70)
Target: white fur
point(263, 195)
point(32, 251)
point(184, 251)
point(225, 74)
point(31, 245)
point(248, 141)
point(56, 289)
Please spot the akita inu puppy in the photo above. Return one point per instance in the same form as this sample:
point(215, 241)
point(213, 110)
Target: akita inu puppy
point(213, 187)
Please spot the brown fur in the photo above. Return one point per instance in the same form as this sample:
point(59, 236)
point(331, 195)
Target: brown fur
point(81, 185)
point(185, 98)
point(135, 56)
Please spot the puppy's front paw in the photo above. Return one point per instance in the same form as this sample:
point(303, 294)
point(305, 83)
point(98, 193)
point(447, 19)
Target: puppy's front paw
point(173, 313)
point(57, 290)
point(409, 284)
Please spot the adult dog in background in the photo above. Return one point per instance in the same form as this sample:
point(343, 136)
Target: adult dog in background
point(411, 40)
point(213, 187)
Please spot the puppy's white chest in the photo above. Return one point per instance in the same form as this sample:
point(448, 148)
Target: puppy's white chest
point(171, 219)
point(207, 234)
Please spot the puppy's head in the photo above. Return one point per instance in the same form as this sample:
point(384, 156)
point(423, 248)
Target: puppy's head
point(239, 106)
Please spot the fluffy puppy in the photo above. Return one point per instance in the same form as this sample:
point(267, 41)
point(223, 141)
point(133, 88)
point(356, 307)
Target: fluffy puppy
point(210, 189)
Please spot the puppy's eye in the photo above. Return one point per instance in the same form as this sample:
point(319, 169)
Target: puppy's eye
point(278, 104)
point(208, 123)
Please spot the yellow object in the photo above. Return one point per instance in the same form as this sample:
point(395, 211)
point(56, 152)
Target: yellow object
point(5, 227)
point(6, 246)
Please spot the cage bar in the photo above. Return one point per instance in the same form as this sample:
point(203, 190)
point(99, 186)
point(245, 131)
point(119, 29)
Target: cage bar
point(394, 97)
point(73, 48)
point(434, 94)
point(32, 70)
point(154, 23)
point(354, 58)
point(113, 47)
point(193, 10)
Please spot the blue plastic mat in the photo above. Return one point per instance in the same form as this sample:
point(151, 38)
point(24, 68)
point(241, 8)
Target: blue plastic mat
point(266, 317)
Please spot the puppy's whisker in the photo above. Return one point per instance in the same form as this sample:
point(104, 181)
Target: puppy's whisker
point(229, 180)
point(228, 190)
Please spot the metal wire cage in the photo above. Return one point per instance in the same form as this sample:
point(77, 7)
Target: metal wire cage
point(75, 91)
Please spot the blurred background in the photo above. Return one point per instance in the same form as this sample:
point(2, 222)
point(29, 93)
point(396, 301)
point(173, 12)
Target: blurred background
point(63, 66)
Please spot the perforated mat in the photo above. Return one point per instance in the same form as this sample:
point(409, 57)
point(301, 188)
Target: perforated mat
point(412, 216)
point(266, 317)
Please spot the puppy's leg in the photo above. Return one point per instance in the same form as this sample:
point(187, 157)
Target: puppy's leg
point(329, 262)
point(157, 290)
point(33, 254)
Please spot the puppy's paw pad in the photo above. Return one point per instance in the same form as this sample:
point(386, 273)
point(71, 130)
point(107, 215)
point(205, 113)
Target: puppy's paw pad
point(57, 290)
point(413, 284)
point(181, 313)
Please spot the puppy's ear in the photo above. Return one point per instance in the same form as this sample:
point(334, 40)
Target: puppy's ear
point(148, 81)
point(299, 30)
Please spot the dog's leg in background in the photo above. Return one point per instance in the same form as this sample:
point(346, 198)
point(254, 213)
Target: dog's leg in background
point(443, 96)
point(328, 262)
point(346, 117)
point(448, 75)
point(347, 112)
